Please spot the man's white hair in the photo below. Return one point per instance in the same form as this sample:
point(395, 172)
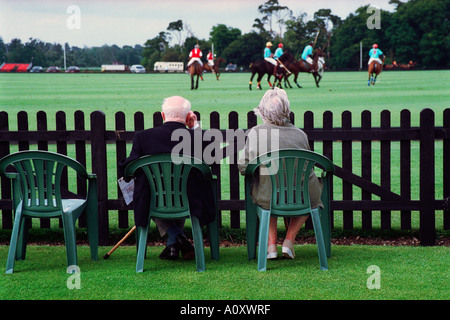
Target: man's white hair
point(176, 107)
point(274, 107)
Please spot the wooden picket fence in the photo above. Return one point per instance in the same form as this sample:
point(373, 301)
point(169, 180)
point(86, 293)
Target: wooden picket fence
point(91, 150)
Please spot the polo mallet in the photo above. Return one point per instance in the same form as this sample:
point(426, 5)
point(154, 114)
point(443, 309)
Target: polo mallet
point(283, 66)
point(119, 243)
point(315, 40)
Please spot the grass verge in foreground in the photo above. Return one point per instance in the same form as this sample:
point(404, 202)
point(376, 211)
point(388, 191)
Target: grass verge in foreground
point(405, 273)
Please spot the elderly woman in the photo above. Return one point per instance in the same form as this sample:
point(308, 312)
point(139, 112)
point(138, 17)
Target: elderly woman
point(279, 133)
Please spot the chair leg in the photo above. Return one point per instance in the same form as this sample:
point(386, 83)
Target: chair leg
point(251, 230)
point(213, 233)
point(142, 233)
point(70, 239)
point(13, 242)
point(326, 228)
point(21, 248)
point(264, 217)
point(319, 239)
point(198, 244)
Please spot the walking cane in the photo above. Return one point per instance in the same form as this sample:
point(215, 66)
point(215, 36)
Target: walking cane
point(119, 243)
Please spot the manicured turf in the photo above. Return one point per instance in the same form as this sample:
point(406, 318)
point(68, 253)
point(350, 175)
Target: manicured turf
point(406, 273)
point(339, 91)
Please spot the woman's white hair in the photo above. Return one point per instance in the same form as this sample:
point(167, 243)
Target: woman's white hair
point(274, 107)
point(176, 107)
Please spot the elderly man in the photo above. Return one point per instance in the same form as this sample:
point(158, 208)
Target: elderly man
point(276, 132)
point(177, 115)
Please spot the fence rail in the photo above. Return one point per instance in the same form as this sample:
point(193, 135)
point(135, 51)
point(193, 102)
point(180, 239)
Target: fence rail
point(92, 145)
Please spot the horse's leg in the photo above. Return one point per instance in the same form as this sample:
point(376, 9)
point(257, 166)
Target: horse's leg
point(295, 79)
point(315, 79)
point(368, 82)
point(192, 82)
point(196, 84)
point(251, 79)
point(268, 79)
point(260, 76)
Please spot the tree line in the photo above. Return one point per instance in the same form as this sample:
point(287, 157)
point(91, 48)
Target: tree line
point(416, 30)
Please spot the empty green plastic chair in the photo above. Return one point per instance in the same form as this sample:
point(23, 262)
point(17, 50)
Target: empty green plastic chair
point(169, 200)
point(36, 191)
point(289, 169)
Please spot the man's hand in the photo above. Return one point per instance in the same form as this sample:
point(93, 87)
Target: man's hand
point(191, 120)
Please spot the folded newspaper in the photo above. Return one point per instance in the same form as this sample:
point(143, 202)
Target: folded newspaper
point(127, 189)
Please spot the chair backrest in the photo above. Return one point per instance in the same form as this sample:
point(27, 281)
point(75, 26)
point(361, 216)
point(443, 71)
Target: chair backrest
point(289, 171)
point(167, 177)
point(39, 174)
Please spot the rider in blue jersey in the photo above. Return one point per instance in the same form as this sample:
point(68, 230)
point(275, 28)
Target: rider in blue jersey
point(375, 54)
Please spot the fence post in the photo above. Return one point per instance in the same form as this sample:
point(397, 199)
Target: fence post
point(385, 167)
point(427, 233)
point(347, 164)
point(366, 168)
point(328, 152)
point(121, 153)
point(405, 169)
point(5, 185)
point(99, 167)
point(233, 123)
point(41, 120)
point(446, 169)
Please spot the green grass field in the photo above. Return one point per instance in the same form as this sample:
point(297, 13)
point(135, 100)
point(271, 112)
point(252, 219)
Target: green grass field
point(339, 91)
point(406, 272)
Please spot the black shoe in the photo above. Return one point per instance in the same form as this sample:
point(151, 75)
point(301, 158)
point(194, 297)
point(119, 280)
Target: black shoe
point(170, 252)
point(186, 248)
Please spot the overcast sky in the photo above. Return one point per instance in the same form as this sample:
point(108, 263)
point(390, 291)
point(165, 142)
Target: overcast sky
point(132, 22)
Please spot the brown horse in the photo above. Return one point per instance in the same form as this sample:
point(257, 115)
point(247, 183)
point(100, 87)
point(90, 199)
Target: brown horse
point(261, 67)
point(409, 66)
point(195, 69)
point(375, 69)
point(297, 66)
point(215, 67)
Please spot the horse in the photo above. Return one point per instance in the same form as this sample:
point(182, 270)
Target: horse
point(195, 69)
point(375, 69)
point(214, 68)
point(261, 67)
point(297, 66)
point(393, 66)
point(409, 66)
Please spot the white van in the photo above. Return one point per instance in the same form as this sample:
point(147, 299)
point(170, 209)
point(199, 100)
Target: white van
point(168, 66)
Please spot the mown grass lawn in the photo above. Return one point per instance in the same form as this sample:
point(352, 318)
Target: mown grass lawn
point(406, 273)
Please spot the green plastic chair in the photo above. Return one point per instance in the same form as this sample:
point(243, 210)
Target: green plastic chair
point(36, 191)
point(288, 169)
point(168, 188)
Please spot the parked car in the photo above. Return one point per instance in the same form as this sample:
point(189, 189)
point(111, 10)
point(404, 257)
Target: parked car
point(137, 68)
point(37, 69)
point(72, 69)
point(231, 67)
point(52, 69)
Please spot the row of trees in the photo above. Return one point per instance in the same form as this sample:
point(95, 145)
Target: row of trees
point(417, 30)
